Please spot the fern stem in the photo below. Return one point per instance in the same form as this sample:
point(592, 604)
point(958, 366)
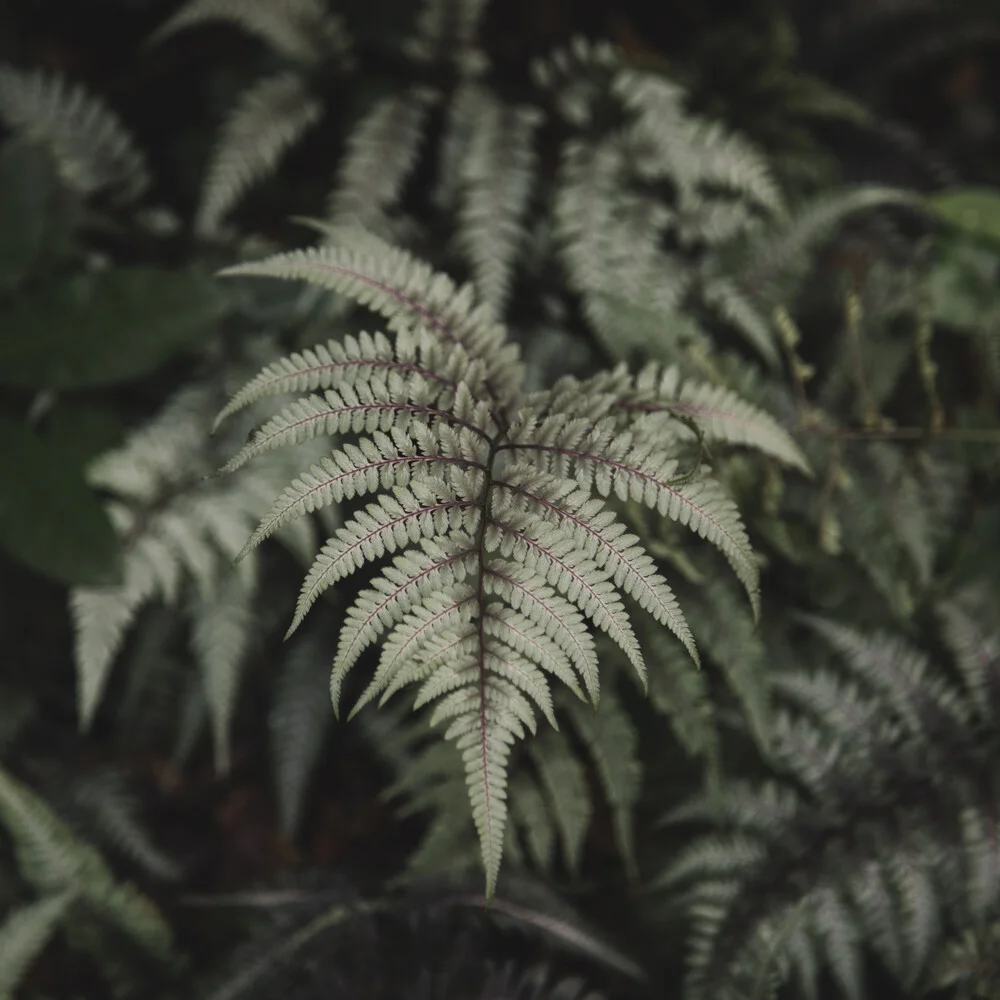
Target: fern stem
point(485, 504)
point(852, 325)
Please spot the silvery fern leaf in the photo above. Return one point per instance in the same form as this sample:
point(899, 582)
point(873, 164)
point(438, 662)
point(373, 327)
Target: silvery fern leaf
point(182, 530)
point(628, 183)
point(779, 256)
point(552, 800)
point(91, 148)
point(690, 151)
point(23, 936)
point(300, 30)
point(446, 28)
point(272, 115)
point(610, 245)
point(877, 838)
point(275, 112)
point(461, 119)
point(298, 722)
point(728, 300)
point(221, 630)
point(381, 153)
point(493, 507)
point(55, 861)
point(101, 806)
point(498, 174)
point(718, 414)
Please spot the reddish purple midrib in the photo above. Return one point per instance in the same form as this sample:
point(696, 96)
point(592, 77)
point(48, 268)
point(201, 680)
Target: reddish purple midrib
point(383, 286)
point(410, 581)
point(394, 460)
point(359, 363)
point(541, 548)
point(524, 590)
point(620, 467)
point(446, 505)
point(608, 547)
point(398, 407)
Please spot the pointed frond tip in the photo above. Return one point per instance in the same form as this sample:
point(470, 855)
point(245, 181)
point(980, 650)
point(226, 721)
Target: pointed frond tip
point(407, 293)
point(491, 511)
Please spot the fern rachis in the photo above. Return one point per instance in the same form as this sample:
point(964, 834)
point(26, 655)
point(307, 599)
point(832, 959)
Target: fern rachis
point(494, 505)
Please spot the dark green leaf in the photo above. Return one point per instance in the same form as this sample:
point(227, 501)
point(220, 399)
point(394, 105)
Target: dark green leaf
point(27, 196)
point(83, 430)
point(107, 327)
point(49, 518)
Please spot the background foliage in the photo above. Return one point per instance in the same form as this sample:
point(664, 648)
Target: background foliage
point(794, 206)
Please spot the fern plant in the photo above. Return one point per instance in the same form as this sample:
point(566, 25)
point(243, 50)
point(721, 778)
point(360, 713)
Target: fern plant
point(633, 208)
point(593, 766)
point(877, 833)
point(76, 892)
point(91, 147)
point(180, 531)
point(496, 505)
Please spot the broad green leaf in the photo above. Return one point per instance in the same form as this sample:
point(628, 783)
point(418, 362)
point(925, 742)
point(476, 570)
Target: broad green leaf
point(962, 283)
point(83, 430)
point(27, 191)
point(107, 327)
point(975, 210)
point(49, 518)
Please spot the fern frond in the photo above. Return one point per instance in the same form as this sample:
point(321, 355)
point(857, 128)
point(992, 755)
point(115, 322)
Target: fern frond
point(580, 523)
point(879, 840)
point(56, 862)
point(781, 256)
point(557, 785)
point(298, 29)
point(968, 964)
point(408, 294)
point(726, 297)
point(578, 75)
point(91, 148)
point(903, 678)
point(180, 530)
point(976, 648)
point(109, 813)
point(609, 461)
point(221, 627)
point(494, 507)
point(446, 28)
point(497, 177)
point(298, 722)
point(382, 151)
point(611, 241)
point(269, 119)
point(23, 936)
point(613, 744)
point(690, 151)
point(563, 782)
point(719, 414)
point(730, 636)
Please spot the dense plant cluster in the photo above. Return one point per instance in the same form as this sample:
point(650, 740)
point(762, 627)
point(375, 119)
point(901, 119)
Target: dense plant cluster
point(629, 434)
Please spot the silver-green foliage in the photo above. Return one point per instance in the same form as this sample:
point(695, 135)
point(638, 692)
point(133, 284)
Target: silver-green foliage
point(877, 836)
point(181, 529)
point(90, 146)
point(75, 888)
point(496, 506)
point(637, 169)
